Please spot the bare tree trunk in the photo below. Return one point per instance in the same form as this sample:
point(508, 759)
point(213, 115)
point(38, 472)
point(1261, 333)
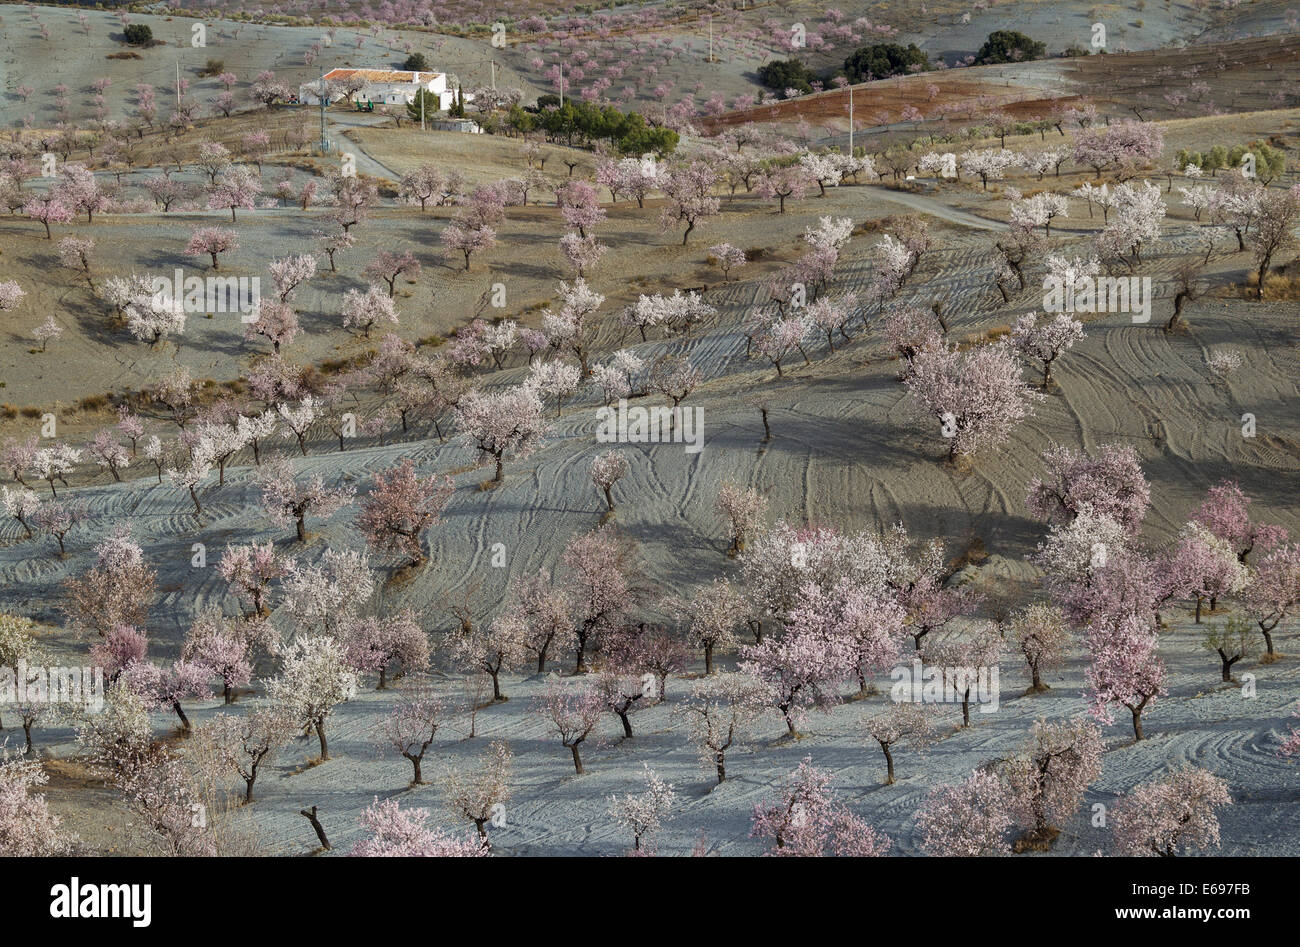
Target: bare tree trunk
point(315, 824)
point(180, 712)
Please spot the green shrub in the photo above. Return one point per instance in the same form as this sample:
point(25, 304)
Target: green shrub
point(138, 34)
point(1009, 46)
point(882, 60)
point(782, 74)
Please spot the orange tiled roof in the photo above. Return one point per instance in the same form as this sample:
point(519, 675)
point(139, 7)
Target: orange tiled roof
point(381, 75)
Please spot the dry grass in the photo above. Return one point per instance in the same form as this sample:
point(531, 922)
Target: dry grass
point(991, 334)
point(1282, 288)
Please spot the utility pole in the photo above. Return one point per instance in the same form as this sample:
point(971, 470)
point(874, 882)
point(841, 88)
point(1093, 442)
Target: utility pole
point(710, 39)
point(850, 121)
point(320, 95)
point(494, 74)
point(561, 85)
point(178, 84)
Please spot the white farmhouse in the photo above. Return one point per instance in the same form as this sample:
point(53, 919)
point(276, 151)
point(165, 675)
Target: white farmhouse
point(381, 86)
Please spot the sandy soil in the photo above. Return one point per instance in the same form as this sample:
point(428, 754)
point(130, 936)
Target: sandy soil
point(845, 452)
point(848, 450)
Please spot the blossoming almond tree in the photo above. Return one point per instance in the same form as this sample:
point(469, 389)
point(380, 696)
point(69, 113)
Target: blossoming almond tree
point(728, 258)
point(48, 209)
point(502, 646)
point(822, 169)
point(977, 395)
point(620, 689)
point(28, 829)
point(1274, 230)
point(388, 266)
point(976, 645)
point(800, 669)
point(780, 182)
point(968, 819)
point(573, 711)
point(1207, 566)
point(581, 253)
point(412, 725)
point(289, 500)
point(617, 377)
point(274, 321)
point(804, 821)
point(117, 590)
point(1176, 813)
point(458, 237)
point(579, 206)
point(1274, 592)
point(235, 188)
point(211, 242)
point(599, 569)
point(571, 326)
point(553, 379)
point(218, 646)
point(1050, 776)
point(246, 743)
point(118, 650)
point(720, 713)
point(55, 463)
point(422, 184)
point(910, 331)
point(901, 722)
point(689, 190)
point(540, 613)
point(1040, 634)
point(108, 453)
point(606, 470)
point(1126, 669)
point(1046, 341)
point(250, 569)
point(473, 228)
point(502, 423)
point(364, 310)
point(1108, 480)
point(712, 614)
point(314, 680)
point(167, 687)
point(644, 813)
point(290, 272)
point(58, 517)
point(400, 507)
point(327, 597)
point(401, 833)
point(1291, 744)
point(744, 510)
point(479, 794)
point(21, 504)
point(989, 164)
point(375, 644)
point(11, 294)
point(75, 254)
point(1224, 512)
